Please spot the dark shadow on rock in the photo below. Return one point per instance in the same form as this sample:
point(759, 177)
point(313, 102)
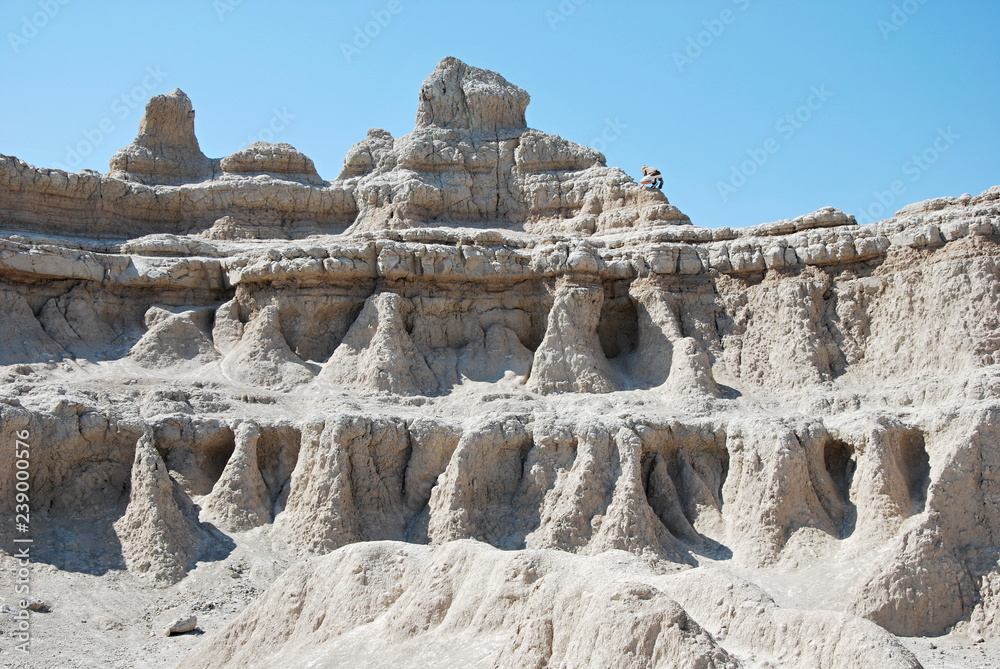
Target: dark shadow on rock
point(81, 546)
point(728, 393)
point(217, 545)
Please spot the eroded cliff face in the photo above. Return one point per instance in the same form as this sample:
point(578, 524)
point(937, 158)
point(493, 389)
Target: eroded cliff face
point(480, 331)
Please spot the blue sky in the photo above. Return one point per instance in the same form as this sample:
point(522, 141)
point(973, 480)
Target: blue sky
point(753, 110)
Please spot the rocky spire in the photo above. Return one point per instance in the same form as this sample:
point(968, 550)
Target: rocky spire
point(471, 160)
point(460, 96)
point(166, 151)
point(157, 538)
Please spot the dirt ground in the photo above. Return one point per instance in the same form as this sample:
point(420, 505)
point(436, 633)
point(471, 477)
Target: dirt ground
point(114, 620)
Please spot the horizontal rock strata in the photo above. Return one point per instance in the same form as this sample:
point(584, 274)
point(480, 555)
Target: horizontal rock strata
point(479, 331)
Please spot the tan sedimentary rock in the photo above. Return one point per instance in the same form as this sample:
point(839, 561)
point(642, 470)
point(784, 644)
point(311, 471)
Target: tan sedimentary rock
point(262, 356)
point(157, 538)
point(377, 352)
point(181, 626)
point(166, 152)
point(690, 370)
point(240, 500)
point(570, 358)
point(471, 159)
point(23, 336)
point(658, 329)
point(348, 483)
point(480, 331)
point(922, 589)
point(174, 339)
point(227, 328)
point(280, 160)
point(742, 613)
point(474, 605)
point(471, 605)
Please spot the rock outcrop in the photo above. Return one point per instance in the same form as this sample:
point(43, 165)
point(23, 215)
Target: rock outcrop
point(240, 499)
point(262, 356)
point(281, 161)
point(470, 605)
point(479, 331)
point(570, 358)
point(24, 338)
point(157, 537)
point(471, 159)
point(166, 152)
point(377, 352)
point(172, 339)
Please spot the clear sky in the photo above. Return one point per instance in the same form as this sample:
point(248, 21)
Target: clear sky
point(753, 110)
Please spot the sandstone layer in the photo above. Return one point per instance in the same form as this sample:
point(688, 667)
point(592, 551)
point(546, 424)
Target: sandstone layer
point(462, 377)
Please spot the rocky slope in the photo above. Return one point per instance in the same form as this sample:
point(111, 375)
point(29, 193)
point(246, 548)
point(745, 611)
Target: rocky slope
point(481, 332)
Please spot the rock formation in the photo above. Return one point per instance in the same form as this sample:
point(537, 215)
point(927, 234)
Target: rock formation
point(481, 337)
point(157, 537)
point(465, 604)
point(166, 150)
point(281, 161)
point(472, 160)
point(239, 500)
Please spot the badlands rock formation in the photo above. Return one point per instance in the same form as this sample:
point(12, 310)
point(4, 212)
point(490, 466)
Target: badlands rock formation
point(509, 408)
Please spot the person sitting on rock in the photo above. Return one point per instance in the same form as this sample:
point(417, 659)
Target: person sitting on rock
point(651, 177)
